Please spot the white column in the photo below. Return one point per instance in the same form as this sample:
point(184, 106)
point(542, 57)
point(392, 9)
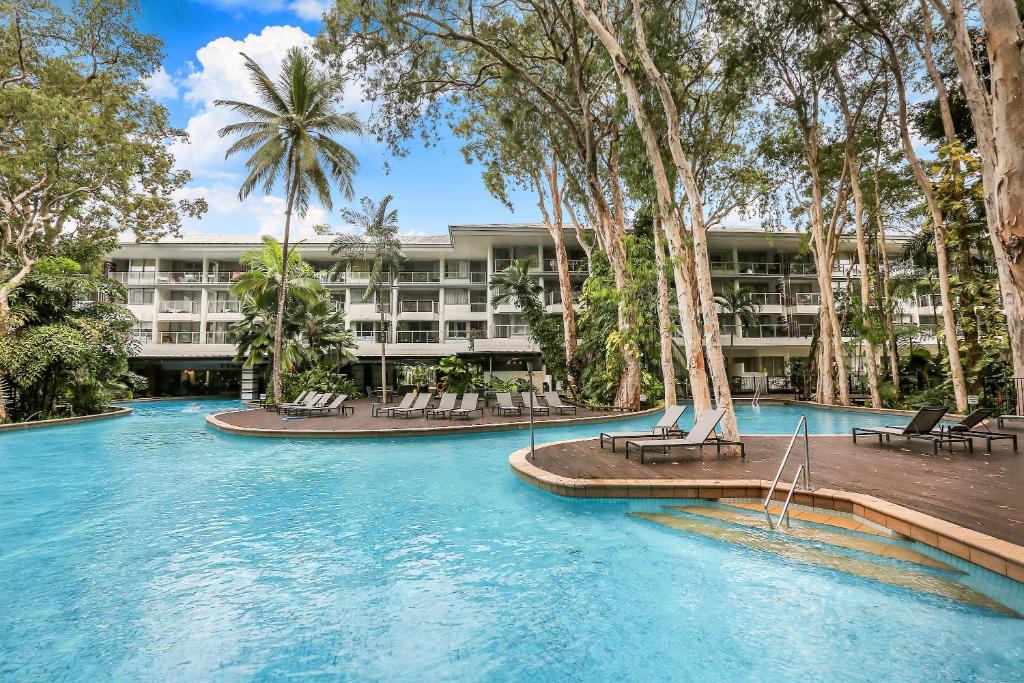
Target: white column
point(490, 308)
point(204, 298)
point(441, 318)
point(156, 302)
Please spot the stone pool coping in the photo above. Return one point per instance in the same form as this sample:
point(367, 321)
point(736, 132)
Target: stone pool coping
point(996, 555)
point(213, 420)
point(115, 411)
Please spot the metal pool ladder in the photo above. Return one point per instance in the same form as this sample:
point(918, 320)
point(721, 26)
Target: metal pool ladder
point(803, 471)
point(757, 393)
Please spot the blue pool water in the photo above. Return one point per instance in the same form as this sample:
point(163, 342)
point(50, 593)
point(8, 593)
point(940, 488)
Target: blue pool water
point(154, 548)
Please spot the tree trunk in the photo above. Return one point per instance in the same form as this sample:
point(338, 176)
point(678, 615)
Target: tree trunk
point(883, 256)
point(956, 371)
point(981, 105)
point(282, 295)
point(668, 370)
point(682, 262)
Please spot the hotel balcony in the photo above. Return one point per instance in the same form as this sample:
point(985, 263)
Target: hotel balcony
point(179, 309)
point(363, 310)
point(464, 277)
point(417, 336)
point(474, 311)
point(751, 268)
point(418, 309)
point(510, 331)
point(178, 277)
point(418, 277)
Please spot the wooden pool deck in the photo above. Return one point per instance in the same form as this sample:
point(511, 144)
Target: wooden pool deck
point(983, 492)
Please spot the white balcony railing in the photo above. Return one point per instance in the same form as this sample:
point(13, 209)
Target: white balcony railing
point(418, 306)
point(575, 265)
point(807, 298)
point(802, 269)
point(223, 277)
point(177, 277)
point(777, 331)
point(723, 266)
point(751, 268)
point(179, 306)
point(144, 337)
point(218, 338)
point(224, 307)
point(766, 298)
point(511, 331)
point(366, 336)
point(179, 337)
point(134, 278)
point(417, 336)
point(419, 277)
point(474, 277)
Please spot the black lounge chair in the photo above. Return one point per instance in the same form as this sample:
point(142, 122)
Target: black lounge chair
point(299, 400)
point(505, 405)
point(444, 407)
point(922, 428)
point(470, 405)
point(665, 426)
point(966, 427)
point(700, 435)
point(420, 406)
point(555, 403)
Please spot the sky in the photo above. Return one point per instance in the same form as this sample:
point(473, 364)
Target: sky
point(432, 187)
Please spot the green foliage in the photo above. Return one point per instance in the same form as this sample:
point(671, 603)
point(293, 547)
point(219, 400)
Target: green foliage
point(83, 148)
point(69, 353)
point(456, 374)
point(320, 379)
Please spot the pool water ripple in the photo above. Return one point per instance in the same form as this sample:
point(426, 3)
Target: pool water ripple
point(154, 548)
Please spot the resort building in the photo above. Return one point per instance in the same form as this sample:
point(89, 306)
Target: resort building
point(179, 289)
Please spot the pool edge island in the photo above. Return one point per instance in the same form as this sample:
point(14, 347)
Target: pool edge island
point(390, 427)
point(115, 411)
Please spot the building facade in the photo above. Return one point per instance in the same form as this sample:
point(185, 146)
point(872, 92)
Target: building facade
point(441, 303)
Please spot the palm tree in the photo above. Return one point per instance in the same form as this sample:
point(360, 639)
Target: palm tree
point(290, 136)
point(737, 303)
point(517, 285)
point(325, 338)
point(259, 289)
point(378, 243)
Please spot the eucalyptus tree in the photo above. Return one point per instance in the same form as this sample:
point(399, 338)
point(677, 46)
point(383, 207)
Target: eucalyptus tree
point(379, 244)
point(83, 148)
point(424, 61)
point(290, 133)
point(992, 81)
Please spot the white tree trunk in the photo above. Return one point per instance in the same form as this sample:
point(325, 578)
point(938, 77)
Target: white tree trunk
point(668, 370)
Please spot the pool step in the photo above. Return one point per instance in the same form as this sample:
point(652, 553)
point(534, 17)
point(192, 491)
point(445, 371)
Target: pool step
point(814, 516)
point(821, 535)
point(779, 545)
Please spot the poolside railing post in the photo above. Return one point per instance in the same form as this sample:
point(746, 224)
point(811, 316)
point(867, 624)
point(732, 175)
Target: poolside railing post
point(529, 375)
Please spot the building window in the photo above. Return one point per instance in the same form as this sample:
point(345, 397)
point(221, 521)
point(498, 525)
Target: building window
point(460, 329)
point(456, 297)
point(140, 297)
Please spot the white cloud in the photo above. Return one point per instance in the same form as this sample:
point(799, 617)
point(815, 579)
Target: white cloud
point(262, 214)
point(161, 86)
point(309, 10)
point(219, 73)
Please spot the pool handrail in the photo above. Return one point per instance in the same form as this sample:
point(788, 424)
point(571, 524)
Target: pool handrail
point(804, 469)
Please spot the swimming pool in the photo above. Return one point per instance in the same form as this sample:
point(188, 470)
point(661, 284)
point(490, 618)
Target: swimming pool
point(154, 548)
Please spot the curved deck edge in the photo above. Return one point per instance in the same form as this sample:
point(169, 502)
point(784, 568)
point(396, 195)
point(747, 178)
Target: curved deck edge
point(988, 552)
point(215, 421)
point(115, 411)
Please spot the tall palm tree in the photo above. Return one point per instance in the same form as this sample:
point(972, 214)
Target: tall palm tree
point(259, 289)
point(516, 284)
point(378, 242)
point(290, 136)
point(737, 304)
point(326, 340)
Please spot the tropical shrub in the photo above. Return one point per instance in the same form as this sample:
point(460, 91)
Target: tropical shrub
point(456, 374)
point(318, 379)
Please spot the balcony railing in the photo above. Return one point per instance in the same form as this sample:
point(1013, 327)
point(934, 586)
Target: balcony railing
point(223, 277)
point(134, 278)
point(224, 306)
point(144, 337)
point(179, 306)
point(929, 300)
point(478, 307)
point(417, 336)
point(419, 277)
point(329, 277)
point(807, 298)
point(471, 276)
point(802, 269)
point(575, 265)
point(178, 277)
point(778, 330)
point(502, 264)
point(464, 334)
point(382, 308)
point(723, 265)
point(377, 337)
point(751, 268)
point(766, 298)
point(509, 331)
point(179, 337)
point(218, 338)
point(418, 306)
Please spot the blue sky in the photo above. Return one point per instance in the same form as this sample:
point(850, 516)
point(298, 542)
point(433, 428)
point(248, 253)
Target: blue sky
point(432, 187)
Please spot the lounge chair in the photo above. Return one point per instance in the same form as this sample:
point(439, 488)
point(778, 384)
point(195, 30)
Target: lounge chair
point(1003, 418)
point(701, 434)
point(505, 405)
point(405, 403)
point(300, 399)
point(469, 406)
point(312, 399)
point(922, 428)
point(537, 407)
point(338, 404)
point(966, 427)
point(420, 406)
point(665, 426)
point(444, 407)
point(555, 403)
